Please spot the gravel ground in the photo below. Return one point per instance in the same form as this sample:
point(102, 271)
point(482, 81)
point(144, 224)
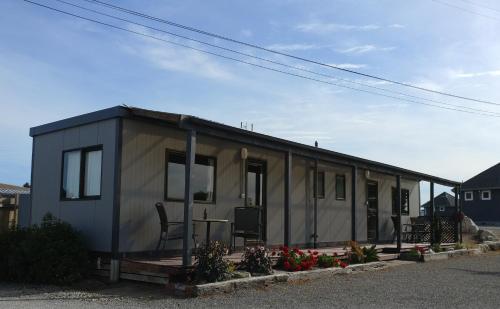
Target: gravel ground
point(465, 282)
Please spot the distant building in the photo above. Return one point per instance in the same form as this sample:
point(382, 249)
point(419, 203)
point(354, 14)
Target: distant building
point(481, 197)
point(9, 204)
point(444, 205)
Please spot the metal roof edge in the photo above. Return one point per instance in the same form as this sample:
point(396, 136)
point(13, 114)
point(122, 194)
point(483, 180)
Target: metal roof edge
point(104, 114)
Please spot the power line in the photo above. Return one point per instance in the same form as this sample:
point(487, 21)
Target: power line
point(490, 114)
point(466, 10)
point(128, 11)
point(275, 62)
point(481, 5)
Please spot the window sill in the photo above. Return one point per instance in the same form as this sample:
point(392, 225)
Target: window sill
point(88, 198)
point(194, 202)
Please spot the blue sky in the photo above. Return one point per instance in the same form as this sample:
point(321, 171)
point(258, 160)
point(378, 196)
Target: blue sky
point(54, 66)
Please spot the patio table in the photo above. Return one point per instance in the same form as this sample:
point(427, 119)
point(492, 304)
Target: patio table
point(208, 222)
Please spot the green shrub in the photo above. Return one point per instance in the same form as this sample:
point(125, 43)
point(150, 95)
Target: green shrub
point(325, 261)
point(210, 264)
point(358, 255)
point(50, 253)
point(257, 260)
point(459, 246)
point(436, 248)
point(371, 254)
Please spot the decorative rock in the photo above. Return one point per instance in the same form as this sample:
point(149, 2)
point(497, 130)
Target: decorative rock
point(240, 274)
point(469, 226)
point(485, 235)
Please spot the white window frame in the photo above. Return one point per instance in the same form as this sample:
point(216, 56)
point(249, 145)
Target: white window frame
point(484, 198)
point(467, 197)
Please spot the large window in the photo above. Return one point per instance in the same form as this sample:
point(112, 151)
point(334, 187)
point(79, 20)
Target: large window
point(405, 202)
point(203, 181)
point(340, 187)
point(81, 173)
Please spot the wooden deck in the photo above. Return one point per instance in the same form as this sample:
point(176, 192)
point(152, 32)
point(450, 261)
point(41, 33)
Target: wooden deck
point(160, 270)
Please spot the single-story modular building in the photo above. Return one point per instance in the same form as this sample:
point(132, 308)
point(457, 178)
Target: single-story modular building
point(103, 172)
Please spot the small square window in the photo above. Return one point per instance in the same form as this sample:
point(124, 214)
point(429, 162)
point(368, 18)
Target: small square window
point(486, 195)
point(469, 196)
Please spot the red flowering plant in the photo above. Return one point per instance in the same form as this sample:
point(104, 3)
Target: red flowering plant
point(296, 259)
point(326, 261)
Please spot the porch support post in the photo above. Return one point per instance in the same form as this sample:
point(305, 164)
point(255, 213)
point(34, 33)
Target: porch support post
point(431, 211)
point(457, 211)
point(354, 180)
point(288, 196)
point(460, 203)
point(398, 209)
point(315, 235)
point(188, 198)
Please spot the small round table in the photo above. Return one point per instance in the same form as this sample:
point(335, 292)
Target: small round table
point(208, 221)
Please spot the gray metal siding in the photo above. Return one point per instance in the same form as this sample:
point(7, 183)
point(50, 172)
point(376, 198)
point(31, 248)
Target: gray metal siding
point(92, 217)
point(143, 180)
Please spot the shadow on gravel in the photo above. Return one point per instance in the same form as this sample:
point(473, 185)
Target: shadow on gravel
point(87, 290)
point(478, 272)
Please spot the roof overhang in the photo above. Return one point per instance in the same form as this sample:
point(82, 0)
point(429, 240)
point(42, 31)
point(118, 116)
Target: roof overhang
point(219, 130)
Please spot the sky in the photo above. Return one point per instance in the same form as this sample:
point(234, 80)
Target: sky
point(54, 66)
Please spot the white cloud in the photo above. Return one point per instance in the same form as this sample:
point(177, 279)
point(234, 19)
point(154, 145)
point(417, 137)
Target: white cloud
point(246, 33)
point(348, 65)
point(397, 26)
point(462, 74)
point(319, 27)
point(291, 47)
point(361, 49)
point(179, 59)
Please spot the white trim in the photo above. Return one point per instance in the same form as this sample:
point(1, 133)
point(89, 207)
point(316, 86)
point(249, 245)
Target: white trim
point(467, 197)
point(486, 198)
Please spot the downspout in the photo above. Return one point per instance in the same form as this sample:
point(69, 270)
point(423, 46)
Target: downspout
point(114, 272)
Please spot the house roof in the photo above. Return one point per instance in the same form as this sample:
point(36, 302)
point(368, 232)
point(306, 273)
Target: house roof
point(443, 199)
point(488, 179)
point(10, 189)
point(220, 130)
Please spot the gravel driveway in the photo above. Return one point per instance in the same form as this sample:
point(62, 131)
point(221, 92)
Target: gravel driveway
point(466, 282)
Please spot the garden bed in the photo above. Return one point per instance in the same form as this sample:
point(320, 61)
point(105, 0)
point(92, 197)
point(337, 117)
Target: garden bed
point(229, 286)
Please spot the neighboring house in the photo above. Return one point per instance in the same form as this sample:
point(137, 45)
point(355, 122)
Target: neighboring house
point(444, 206)
point(103, 172)
point(9, 205)
point(481, 197)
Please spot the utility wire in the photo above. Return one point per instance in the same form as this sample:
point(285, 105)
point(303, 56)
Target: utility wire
point(481, 5)
point(466, 10)
point(274, 62)
point(252, 64)
point(122, 9)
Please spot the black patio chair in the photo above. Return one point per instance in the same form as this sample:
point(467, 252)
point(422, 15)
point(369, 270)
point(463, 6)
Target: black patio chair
point(246, 225)
point(168, 230)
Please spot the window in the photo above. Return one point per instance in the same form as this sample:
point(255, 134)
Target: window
point(321, 185)
point(469, 196)
point(486, 195)
point(340, 187)
point(203, 181)
point(405, 202)
point(81, 173)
